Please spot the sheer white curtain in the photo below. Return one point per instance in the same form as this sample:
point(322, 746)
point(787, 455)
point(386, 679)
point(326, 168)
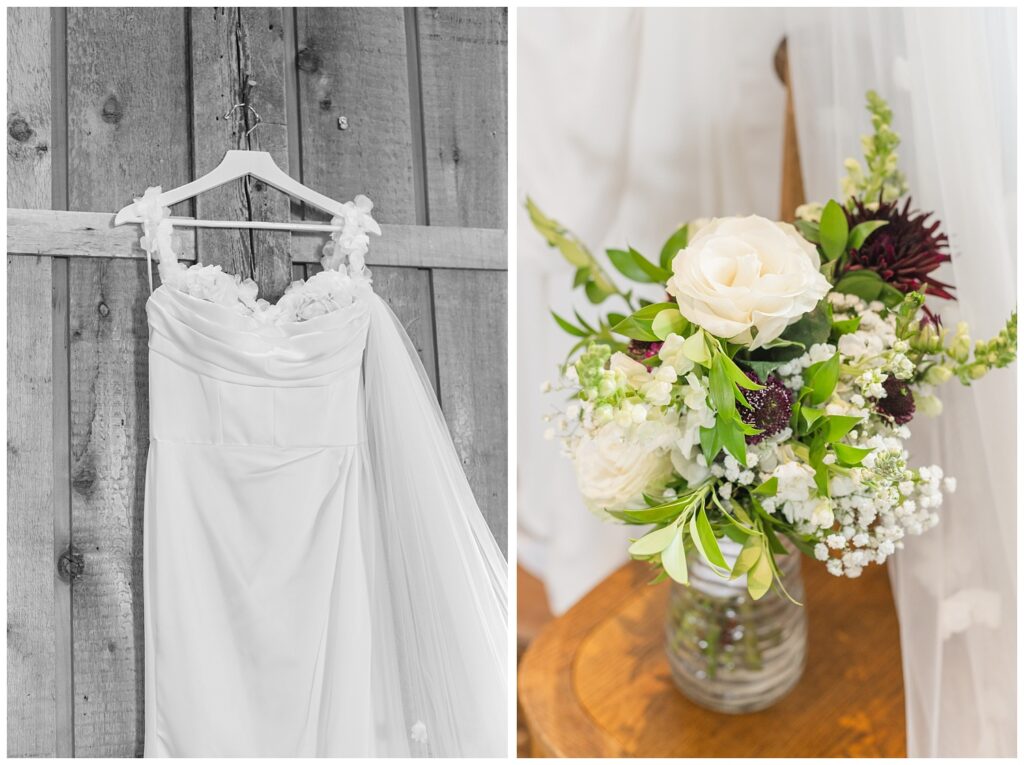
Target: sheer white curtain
point(950, 77)
point(631, 121)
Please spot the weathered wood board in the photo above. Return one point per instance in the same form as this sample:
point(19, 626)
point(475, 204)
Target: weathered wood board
point(464, 71)
point(148, 99)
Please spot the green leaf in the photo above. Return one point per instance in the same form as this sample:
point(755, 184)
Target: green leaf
point(862, 231)
point(710, 443)
point(721, 389)
point(846, 326)
point(659, 513)
point(582, 274)
point(816, 459)
point(668, 322)
point(773, 542)
point(839, 425)
point(768, 488)
point(583, 323)
point(638, 325)
point(811, 415)
point(735, 533)
point(808, 231)
point(703, 535)
point(812, 328)
point(748, 557)
point(661, 577)
point(800, 543)
point(627, 266)
point(866, 285)
point(654, 273)
point(763, 368)
point(571, 248)
point(823, 381)
point(834, 230)
point(654, 542)
point(679, 239)
point(850, 456)
point(759, 579)
point(890, 296)
point(741, 513)
point(732, 437)
point(570, 328)
point(737, 375)
point(673, 559)
point(635, 266)
point(598, 285)
point(596, 293)
point(615, 318)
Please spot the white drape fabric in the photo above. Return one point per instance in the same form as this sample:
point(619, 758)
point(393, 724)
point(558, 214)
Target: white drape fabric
point(631, 121)
point(950, 77)
point(318, 578)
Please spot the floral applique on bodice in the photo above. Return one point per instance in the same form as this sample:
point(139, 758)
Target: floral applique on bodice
point(344, 279)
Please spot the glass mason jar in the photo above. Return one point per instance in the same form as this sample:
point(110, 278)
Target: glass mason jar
point(729, 652)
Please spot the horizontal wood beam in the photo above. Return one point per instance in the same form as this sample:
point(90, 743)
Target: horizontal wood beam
point(86, 234)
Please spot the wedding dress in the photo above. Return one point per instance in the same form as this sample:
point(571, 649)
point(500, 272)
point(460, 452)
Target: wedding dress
point(319, 580)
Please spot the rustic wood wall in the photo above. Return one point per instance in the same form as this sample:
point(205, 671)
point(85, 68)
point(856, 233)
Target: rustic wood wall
point(105, 102)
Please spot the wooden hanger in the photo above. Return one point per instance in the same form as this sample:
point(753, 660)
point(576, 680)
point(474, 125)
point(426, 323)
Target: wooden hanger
point(239, 164)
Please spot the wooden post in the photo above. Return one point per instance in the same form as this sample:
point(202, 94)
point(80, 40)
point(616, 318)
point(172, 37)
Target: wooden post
point(792, 194)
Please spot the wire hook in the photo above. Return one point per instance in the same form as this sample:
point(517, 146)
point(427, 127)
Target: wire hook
point(255, 114)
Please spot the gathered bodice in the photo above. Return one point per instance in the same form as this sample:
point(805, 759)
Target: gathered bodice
point(229, 369)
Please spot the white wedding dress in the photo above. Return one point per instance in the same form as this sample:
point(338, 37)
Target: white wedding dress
point(319, 580)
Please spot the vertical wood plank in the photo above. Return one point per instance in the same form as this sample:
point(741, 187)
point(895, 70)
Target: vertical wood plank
point(31, 625)
point(464, 72)
point(238, 58)
point(128, 107)
point(463, 90)
point(34, 595)
point(28, 107)
point(472, 341)
point(352, 64)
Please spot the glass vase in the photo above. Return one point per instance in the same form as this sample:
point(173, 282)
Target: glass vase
point(729, 652)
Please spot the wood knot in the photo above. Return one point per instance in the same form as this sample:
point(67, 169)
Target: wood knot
point(83, 480)
point(70, 564)
point(19, 129)
point(112, 111)
point(103, 309)
point(325, 104)
point(308, 60)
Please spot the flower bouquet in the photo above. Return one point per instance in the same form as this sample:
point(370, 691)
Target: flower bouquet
point(762, 407)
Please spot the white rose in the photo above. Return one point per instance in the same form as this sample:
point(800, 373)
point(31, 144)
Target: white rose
point(616, 464)
point(738, 275)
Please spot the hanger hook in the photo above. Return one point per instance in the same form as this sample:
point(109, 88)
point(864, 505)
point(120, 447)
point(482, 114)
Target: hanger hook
point(255, 114)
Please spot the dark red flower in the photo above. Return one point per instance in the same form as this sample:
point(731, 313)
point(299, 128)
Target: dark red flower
point(898, 404)
point(771, 409)
point(904, 252)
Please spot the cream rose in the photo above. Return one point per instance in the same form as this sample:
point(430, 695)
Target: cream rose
point(747, 279)
point(616, 464)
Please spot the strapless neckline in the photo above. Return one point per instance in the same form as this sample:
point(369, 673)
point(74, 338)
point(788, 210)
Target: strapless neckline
point(344, 279)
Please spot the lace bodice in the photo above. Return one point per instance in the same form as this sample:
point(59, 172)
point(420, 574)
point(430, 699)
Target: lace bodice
point(345, 276)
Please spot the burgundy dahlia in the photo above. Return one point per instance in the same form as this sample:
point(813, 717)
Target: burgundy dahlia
point(641, 350)
point(771, 407)
point(904, 252)
point(898, 404)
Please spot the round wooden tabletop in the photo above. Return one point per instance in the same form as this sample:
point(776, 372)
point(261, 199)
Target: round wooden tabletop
point(596, 682)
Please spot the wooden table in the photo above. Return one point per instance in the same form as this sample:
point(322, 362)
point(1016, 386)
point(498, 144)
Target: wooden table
point(596, 683)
